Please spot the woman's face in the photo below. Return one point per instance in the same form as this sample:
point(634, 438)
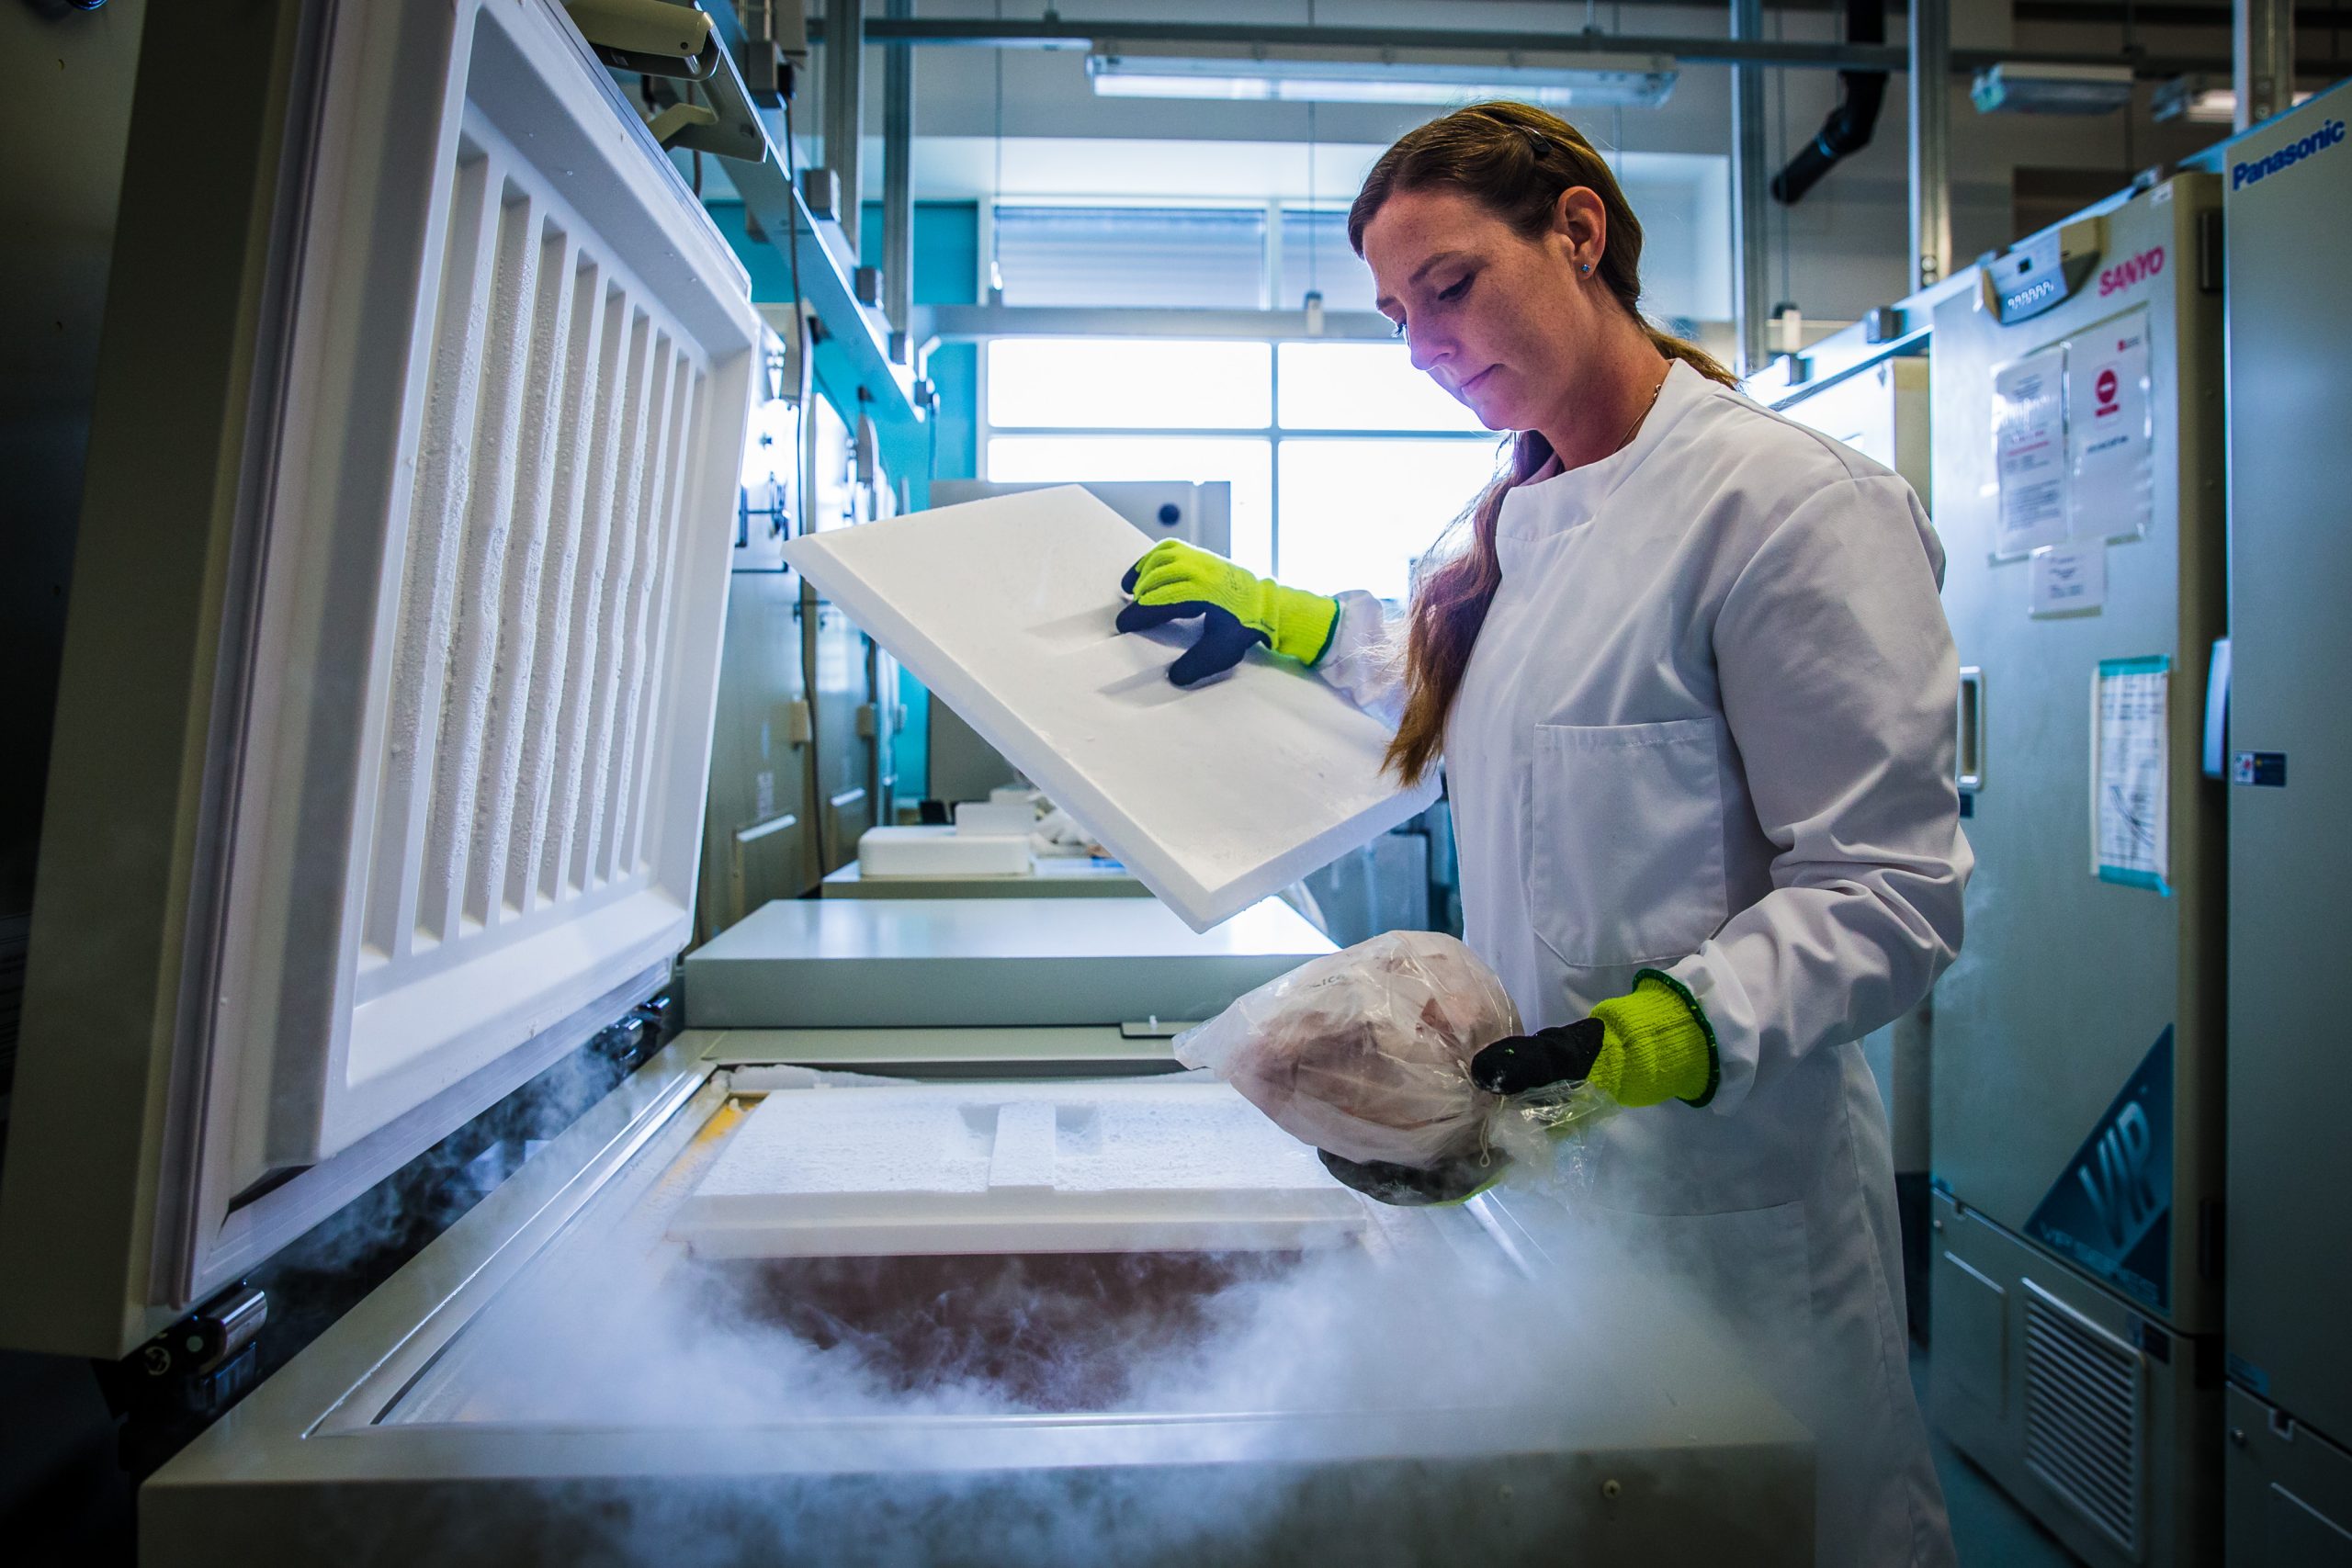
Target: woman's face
point(1499, 321)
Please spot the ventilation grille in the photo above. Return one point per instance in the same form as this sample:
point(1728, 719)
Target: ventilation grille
point(559, 422)
point(2083, 1415)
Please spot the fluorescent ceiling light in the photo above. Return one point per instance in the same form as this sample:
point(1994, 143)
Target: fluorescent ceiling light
point(2188, 98)
point(1285, 73)
point(2011, 88)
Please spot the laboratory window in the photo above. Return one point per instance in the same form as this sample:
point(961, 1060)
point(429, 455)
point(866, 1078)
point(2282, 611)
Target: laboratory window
point(1346, 463)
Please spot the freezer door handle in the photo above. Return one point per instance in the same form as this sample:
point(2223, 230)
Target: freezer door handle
point(2217, 711)
point(1971, 748)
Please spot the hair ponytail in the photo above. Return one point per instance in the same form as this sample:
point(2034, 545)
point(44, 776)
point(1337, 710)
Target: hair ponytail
point(1514, 158)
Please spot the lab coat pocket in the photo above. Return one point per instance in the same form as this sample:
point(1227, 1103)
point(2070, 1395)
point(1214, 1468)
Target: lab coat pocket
point(1627, 838)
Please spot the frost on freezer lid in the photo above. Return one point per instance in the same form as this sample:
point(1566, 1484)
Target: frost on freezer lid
point(1026, 1168)
point(1214, 797)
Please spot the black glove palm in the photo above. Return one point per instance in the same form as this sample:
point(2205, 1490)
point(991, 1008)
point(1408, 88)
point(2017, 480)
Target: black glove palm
point(1223, 642)
point(1518, 1064)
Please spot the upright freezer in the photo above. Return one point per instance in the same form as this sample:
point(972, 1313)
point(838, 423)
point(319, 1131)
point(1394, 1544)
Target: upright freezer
point(2279, 734)
point(2076, 1113)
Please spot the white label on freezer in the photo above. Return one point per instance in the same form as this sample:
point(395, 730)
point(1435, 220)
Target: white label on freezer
point(2107, 428)
point(2131, 825)
point(2030, 453)
point(2067, 579)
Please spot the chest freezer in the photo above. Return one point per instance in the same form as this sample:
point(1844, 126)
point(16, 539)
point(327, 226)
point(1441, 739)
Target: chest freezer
point(746, 1310)
point(1010, 1311)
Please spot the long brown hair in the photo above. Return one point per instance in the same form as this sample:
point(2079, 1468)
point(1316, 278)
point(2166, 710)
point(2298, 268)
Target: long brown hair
point(1515, 160)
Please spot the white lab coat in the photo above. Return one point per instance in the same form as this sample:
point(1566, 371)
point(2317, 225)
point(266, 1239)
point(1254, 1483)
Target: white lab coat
point(1707, 728)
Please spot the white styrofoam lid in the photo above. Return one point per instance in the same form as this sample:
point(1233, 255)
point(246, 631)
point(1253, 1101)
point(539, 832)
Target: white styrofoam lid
point(1170, 1165)
point(1214, 797)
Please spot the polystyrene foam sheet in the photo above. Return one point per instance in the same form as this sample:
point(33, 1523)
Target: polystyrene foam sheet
point(1037, 1167)
point(1214, 797)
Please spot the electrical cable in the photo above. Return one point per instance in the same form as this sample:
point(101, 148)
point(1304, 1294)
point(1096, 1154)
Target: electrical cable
point(804, 464)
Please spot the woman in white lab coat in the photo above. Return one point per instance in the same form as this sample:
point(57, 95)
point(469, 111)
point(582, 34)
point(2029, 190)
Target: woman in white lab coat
point(1691, 679)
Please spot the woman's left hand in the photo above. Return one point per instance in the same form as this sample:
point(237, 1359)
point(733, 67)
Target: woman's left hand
point(1651, 1045)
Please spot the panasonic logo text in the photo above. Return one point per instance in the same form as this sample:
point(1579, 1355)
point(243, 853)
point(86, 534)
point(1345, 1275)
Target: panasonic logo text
point(2294, 152)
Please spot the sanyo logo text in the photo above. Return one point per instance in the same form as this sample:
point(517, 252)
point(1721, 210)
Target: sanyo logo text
point(2124, 273)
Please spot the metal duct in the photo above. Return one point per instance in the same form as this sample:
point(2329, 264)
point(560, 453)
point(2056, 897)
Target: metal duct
point(1847, 128)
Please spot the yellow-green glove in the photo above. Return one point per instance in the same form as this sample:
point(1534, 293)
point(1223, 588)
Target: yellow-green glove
point(1238, 609)
point(1651, 1045)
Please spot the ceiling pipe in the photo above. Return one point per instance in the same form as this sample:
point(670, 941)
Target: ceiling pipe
point(1848, 130)
point(1057, 31)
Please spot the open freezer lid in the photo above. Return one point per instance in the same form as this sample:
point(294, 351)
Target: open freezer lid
point(1214, 797)
point(958, 1167)
point(402, 572)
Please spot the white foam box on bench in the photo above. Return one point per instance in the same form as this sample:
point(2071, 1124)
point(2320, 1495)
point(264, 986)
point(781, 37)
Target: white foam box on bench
point(1214, 797)
point(941, 851)
point(1165, 1165)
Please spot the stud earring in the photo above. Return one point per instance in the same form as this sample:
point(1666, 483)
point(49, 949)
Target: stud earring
point(1588, 266)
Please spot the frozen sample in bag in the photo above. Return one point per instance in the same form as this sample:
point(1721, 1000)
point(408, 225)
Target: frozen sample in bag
point(1365, 1052)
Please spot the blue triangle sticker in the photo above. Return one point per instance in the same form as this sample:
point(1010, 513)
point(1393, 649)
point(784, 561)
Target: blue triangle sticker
point(2110, 1212)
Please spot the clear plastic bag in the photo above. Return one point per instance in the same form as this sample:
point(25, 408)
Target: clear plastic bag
point(1366, 1053)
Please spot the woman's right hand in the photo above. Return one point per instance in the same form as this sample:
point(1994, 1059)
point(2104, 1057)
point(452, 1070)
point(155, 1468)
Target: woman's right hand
point(1238, 609)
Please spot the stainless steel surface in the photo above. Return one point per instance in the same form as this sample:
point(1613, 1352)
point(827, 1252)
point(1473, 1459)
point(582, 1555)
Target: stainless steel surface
point(2290, 1253)
point(2085, 1412)
point(1750, 299)
point(2065, 982)
point(2287, 1490)
point(400, 1435)
point(1931, 141)
point(2262, 59)
point(857, 962)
